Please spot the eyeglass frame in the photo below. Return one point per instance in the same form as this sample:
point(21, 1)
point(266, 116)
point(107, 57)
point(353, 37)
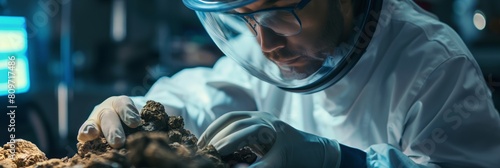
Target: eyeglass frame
point(299, 6)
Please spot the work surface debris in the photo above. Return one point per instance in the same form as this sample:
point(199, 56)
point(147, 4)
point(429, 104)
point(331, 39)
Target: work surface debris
point(161, 141)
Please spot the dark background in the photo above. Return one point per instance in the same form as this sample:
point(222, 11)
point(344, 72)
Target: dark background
point(162, 37)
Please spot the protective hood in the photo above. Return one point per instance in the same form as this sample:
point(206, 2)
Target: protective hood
point(237, 35)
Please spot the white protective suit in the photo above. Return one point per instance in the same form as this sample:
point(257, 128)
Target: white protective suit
point(416, 97)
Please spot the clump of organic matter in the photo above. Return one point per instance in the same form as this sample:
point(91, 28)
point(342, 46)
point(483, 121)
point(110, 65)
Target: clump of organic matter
point(161, 141)
point(22, 153)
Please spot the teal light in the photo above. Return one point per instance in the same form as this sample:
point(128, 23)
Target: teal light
point(13, 44)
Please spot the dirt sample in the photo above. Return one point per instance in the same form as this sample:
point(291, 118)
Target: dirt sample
point(154, 117)
point(24, 154)
point(161, 141)
point(155, 150)
point(242, 156)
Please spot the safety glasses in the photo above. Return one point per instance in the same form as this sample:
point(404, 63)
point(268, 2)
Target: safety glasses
point(281, 20)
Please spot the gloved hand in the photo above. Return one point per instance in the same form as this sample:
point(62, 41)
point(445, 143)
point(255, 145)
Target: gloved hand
point(279, 144)
point(106, 118)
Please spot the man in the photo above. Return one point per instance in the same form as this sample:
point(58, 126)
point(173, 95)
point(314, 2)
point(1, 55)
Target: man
point(387, 85)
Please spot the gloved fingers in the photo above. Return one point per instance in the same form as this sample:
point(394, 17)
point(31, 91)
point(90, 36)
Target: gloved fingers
point(275, 157)
point(88, 131)
point(259, 137)
point(126, 110)
point(112, 128)
point(232, 128)
point(219, 124)
point(91, 128)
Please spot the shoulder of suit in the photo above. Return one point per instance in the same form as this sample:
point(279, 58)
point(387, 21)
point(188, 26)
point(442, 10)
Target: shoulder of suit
point(406, 26)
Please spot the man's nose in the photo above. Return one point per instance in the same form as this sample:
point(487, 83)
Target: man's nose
point(269, 40)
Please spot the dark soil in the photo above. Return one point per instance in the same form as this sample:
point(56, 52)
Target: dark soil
point(161, 141)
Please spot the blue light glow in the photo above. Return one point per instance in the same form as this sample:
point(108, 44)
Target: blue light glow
point(13, 42)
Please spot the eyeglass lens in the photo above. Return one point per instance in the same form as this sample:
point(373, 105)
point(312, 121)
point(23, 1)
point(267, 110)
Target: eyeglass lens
point(282, 22)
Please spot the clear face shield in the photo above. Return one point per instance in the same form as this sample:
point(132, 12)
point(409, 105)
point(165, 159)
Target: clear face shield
point(260, 42)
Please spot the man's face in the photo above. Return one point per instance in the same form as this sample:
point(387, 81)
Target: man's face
point(298, 56)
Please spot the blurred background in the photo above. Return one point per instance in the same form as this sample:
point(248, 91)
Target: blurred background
point(72, 54)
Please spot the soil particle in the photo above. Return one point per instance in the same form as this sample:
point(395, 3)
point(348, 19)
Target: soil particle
point(154, 117)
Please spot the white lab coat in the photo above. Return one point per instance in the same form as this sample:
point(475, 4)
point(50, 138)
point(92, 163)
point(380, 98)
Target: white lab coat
point(416, 97)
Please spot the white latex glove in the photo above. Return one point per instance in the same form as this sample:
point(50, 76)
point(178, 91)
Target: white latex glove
point(280, 144)
point(105, 119)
